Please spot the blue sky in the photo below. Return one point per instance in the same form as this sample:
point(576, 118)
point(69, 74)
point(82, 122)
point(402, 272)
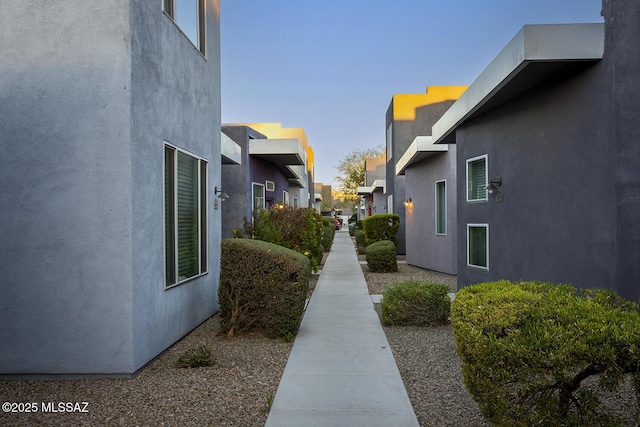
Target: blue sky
point(332, 66)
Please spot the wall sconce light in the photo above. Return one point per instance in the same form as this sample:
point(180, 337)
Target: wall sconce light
point(222, 195)
point(493, 185)
point(408, 202)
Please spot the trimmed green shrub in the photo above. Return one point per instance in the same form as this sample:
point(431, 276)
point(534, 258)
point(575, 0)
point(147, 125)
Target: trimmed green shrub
point(360, 242)
point(353, 218)
point(381, 257)
point(196, 357)
point(300, 229)
point(329, 226)
point(527, 349)
point(381, 227)
point(416, 303)
point(262, 286)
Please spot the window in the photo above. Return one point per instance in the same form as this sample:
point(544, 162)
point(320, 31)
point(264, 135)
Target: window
point(285, 198)
point(389, 141)
point(295, 202)
point(271, 186)
point(185, 207)
point(257, 197)
point(390, 204)
point(478, 245)
point(188, 15)
point(441, 207)
point(477, 179)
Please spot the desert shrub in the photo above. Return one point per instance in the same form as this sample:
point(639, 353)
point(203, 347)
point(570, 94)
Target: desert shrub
point(381, 227)
point(196, 357)
point(360, 242)
point(262, 286)
point(381, 257)
point(526, 349)
point(416, 303)
point(328, 236)
point(300, 229)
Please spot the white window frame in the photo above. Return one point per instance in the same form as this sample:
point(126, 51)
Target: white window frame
point(203, 215)
point(285, 197)
point(269, 186)
point(486, 226)
point(295, 202)
point(253, 197)
point(390, 204)
point(389, 142)
point(444, 181)
point(486, 177)
point(170, 9)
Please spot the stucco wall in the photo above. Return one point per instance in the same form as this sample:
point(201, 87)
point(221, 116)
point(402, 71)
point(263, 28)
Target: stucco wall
point(557, 220)
point(403, 134)
point(622, 45)
point(90, 92)
point(65, 174)
point(424, 248)
point(175, 98)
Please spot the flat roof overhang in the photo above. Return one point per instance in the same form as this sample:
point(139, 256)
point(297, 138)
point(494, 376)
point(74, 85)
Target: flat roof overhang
point(378, 183)
point(537, 54)
point(230, 151)
point(421, 148)
point(298, 171)
point(280, 152)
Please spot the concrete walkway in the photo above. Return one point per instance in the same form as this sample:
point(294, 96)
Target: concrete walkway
point(341, 371)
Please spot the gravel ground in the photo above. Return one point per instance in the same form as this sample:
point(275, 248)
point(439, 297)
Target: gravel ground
point(233, 392)
point(236, 391)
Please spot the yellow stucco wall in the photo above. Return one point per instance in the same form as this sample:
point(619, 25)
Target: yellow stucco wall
point(405, 105)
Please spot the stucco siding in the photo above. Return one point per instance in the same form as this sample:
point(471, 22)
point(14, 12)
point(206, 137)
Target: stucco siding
point(175, 98)
point(425, 248)
point(65, 174)
point(556, 220)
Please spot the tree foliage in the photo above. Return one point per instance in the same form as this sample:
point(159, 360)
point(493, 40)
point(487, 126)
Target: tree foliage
point(351, 168)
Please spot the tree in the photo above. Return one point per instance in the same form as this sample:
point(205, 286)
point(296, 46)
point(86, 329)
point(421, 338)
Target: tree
point(351, 169)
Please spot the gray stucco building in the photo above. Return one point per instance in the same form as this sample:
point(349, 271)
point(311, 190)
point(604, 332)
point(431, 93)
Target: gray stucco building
point(554, 122)
point(409, 116)
point(271, 172)
point(430, 206)
point(110, 152)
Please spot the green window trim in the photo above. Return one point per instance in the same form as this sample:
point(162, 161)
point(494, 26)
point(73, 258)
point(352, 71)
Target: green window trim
point(185, 208)
point(477, 179)
point(478, 245)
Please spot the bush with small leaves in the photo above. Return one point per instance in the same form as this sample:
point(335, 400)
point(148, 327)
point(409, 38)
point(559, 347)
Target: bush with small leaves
point(416, 303)
point(329, 233)
point(381, 257)
point(381, 227)
point(527, 348)
point(262, 286)
point(196, 357)
point(362, 247)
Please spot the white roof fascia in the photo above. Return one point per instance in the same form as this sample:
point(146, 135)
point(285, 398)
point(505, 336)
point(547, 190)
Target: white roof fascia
point(290, 147)
point(533, 43)
point(230, 150)
point(421, 148)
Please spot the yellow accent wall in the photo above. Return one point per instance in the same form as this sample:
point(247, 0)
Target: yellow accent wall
point(405, 105)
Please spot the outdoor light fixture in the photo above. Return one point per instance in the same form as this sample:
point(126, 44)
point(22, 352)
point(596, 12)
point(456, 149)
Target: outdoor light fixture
point(408, 202)
point(222, 195)
point(493, 185)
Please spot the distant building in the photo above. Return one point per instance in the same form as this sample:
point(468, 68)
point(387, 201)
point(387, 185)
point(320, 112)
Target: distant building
point(111, 153)
point(272, 171)
point(372, 198)
point(548, 157)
